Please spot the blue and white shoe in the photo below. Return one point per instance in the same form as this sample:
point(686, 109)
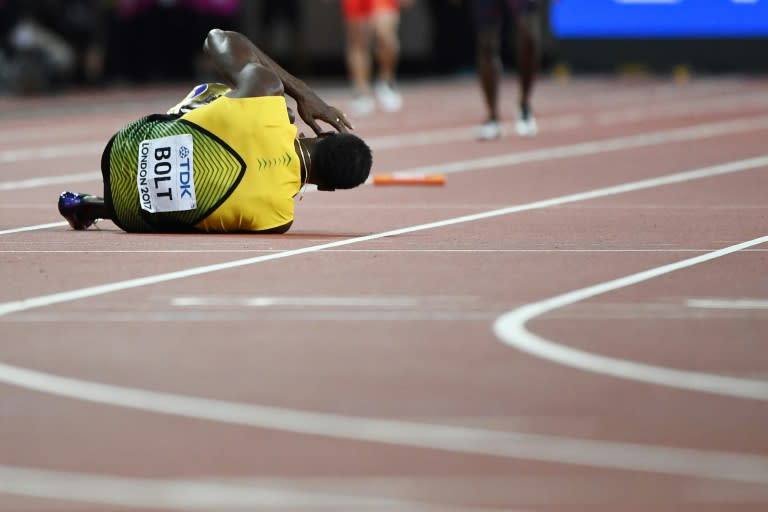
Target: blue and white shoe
point(71, 208)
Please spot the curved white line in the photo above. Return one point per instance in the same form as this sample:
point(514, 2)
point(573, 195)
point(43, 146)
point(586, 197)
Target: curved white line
point(457, 439)
point(510, 328)
point(187, 494)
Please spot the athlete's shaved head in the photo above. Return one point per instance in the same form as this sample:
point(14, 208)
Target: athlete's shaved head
point(340, 160)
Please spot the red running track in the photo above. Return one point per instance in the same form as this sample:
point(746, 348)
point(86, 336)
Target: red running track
point(405, 348)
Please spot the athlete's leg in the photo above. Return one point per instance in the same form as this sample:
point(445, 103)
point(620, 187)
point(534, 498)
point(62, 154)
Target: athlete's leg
point(489, 68)
point(528, 43)
point(487, 16)
point(386, 21)
point(357, 26)
point(358, 56)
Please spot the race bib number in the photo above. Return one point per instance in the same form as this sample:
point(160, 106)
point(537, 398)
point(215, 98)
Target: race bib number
point(166, 175)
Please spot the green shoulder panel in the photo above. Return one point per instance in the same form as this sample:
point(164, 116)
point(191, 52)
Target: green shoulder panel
point(217, 171)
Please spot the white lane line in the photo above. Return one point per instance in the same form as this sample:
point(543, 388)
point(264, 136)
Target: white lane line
point(288, 315)
point(174, 494)
point(516, 445)
point(654, 138)
point(307, 301)
point(511, 329)
point(93, 291)
point(44, 181)
point(33, 228)
point(657, 111)
point(396, 251)
point(463, 133)
point(727, 303)
point(51, 151)
point(27, 134)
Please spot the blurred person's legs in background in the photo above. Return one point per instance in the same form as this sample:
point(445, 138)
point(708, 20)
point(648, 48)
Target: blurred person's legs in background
point(489, 16)
point(380, 19)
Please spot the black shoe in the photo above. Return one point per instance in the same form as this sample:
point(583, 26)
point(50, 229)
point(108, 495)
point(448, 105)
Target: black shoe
point(71, 208)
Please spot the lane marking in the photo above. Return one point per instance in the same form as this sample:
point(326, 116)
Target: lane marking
point(174, 494)
point(404, 251)
point(44, 181)
point(51, 151)
point(511, 329)
point(721, 104)
point(336, 315)
point(464, 133)
point(728, 303)
point(702, 131)
point(246, 492)
point(93, 291)
point(306, 301)
point(465, 440)
point(33, 228)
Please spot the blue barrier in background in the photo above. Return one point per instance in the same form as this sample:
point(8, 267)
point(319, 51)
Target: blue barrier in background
point(625, 19)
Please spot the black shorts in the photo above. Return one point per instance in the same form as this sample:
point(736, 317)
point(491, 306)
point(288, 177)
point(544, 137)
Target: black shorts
point(490, 13)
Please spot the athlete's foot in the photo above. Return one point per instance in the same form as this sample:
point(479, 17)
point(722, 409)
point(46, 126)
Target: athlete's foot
point(389, 99)
point(362, 105)
point(489, 130)
point(71, 208)
point(526, 125)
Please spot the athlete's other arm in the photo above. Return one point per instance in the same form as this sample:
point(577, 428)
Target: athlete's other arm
point(242, 64)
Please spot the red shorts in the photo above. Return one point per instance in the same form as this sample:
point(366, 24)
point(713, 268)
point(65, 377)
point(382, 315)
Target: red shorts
point(361, 9)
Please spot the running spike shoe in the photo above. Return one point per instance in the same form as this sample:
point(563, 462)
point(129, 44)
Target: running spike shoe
point(71, 208)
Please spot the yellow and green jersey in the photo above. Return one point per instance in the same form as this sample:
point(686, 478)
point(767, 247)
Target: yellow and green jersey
point(225, 165)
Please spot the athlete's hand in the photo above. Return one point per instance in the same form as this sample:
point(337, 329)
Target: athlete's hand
point(312, 109)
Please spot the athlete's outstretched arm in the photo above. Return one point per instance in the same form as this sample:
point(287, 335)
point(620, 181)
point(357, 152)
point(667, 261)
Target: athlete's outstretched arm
point(233, 54)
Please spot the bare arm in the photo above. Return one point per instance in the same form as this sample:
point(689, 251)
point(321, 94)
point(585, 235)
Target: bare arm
point(234, 55)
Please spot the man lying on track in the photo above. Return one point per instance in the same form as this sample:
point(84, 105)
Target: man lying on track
point(225, 159)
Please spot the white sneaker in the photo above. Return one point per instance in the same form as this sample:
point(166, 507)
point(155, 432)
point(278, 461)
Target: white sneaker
point(389, 99)
point(489, 130)
point(362, 106)
point(526, 125)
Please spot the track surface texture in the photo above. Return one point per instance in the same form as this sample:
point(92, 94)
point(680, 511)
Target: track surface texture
point(573, 322)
